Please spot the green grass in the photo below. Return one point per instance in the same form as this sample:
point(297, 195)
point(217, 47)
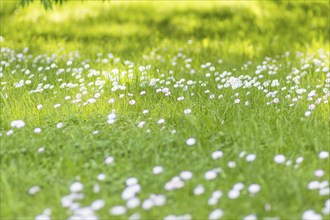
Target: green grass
point(244, 36)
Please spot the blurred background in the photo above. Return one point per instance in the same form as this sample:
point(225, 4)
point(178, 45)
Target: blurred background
point(238, 30)
point(234, 32)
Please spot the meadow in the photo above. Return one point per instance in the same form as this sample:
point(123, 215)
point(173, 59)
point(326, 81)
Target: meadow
point(165, 110)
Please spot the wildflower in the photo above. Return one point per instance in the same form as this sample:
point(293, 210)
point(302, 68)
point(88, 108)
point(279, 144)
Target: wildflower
point(96, 188)
point(326, 209)
point(254, 188)
point(109, 160)
point(250, 217)
point(210, 175)
point(323, 154)
point(118, 210)
point(313, 185)
point(215, 214)
point(128, 193)
point(34, 189)
point(238, 186)
point(311, 215)
point(299, 160)
point(17, 124)
point(231, 164)
point(217, 154)
point(181, 98)
point(217, 194)
point(242, 154)
point(101, 176)
point(250, 157)
point(187, 111)
point(280, 158)
point(186, 175)
point(76, 187)
point(132, 102)
point(158, 200)
point(59, 125)
point(143, 93)
point(318, 173)
point(233, 194)
point(161, 121)
point(308, 113)
point(57, 105)
point(175, 183)
point(157, 170)
point(141, 124)
point(97, 204)
point(111, 118)
point(191, 141)
point(199, 190)
point(133, 203)
point(131, 181)
point(147, 204)
point(42, 217)
point(311, 107)
point(37, 130)
point(97, 95)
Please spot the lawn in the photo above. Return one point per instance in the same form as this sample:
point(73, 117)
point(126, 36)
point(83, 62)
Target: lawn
point(165, 110)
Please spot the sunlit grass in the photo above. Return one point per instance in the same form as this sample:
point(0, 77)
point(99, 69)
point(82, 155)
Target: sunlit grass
point(190, 47)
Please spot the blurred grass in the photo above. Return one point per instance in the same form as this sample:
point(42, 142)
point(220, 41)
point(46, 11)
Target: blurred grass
point(235, 31)
point(240, 30)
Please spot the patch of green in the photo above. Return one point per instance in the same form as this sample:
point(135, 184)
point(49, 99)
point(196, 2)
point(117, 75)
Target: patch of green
point(231, 37)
